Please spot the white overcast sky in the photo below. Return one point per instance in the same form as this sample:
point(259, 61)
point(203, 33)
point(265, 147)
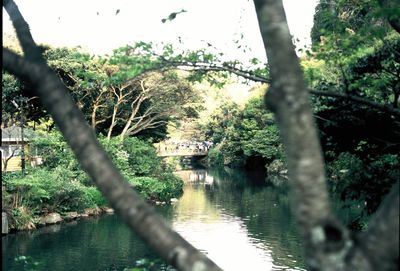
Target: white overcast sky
point(95, 26)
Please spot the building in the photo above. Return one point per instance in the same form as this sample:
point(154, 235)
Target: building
point(11, 146)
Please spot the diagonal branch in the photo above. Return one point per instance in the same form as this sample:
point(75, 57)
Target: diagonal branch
point(379, 245)
point(134, 210)
point(326, 241)
point(208, 67)
point(23, 32)
point(140, 216)
point(389, 109)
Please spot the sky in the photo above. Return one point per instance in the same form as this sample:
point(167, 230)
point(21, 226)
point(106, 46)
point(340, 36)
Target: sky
point(99, 26)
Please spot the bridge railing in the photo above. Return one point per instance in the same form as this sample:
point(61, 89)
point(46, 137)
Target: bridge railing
point(181, 153)
point(182, 148)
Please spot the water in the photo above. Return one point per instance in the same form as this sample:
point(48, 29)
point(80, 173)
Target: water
point(237, 220)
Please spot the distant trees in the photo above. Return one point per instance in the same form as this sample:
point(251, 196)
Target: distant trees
point(328, 244)
point(113, 103)
point(56, 98)
point(245, 137)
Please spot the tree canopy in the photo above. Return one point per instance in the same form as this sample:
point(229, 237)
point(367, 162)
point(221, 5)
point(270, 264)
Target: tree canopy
point(328, 244)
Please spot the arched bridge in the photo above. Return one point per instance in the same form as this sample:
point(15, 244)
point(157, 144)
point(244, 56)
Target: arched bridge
point(184, 153)
point(182, 148)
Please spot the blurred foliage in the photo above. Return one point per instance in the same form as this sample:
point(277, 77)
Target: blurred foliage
point(356, 52)
point(247, 137)
point(364, 180)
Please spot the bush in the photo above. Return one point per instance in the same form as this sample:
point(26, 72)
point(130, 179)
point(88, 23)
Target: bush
point(21, 217)
point(367, 180)
point(61, 184)
point(95, 196)
point(140, 165)
point(154, 189)
point(215, 157)
point(55, 151)
point(55, 190)
point(133, 156)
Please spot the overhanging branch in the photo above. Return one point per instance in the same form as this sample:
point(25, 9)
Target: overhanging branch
point(326, 241)
point(249, 75)
point(55, 97)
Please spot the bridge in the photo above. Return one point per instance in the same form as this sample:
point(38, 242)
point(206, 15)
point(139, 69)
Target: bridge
point(182, 149)
point(183, 153)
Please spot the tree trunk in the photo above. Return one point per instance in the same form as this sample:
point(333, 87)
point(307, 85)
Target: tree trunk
point(55, 97)
point(327, 243)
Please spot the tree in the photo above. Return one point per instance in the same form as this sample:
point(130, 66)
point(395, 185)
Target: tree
point(122, 101)
point(94, 160)
point(358, 53)
point(150, 101)
point(247, 137)
point(328, 244)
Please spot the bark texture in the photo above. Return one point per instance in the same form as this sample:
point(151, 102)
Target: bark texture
point(55, 97)
point(328, 244)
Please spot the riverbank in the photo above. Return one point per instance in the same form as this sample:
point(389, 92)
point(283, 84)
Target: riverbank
point(50, 219)
point(43, 197)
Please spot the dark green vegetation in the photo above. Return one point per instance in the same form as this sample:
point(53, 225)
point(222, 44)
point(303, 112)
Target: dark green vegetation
point(59, 185)
point(354, 78)
point(354, 72)
point(137, 92)
point(360, 53)
point(244, 137)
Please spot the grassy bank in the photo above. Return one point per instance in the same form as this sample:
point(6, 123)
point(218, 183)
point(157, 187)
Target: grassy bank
point(60, 186)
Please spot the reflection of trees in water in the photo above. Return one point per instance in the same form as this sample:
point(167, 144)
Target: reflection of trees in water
point(86, 245)
point(195, 206)
point(264, 209)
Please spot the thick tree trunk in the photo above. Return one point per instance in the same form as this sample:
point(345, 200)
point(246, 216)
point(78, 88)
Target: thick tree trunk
point(140, 216)
point(327, 243)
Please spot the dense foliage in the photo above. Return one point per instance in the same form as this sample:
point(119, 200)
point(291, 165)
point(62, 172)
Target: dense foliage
point(359, 54)
point(353, 69)
point(119, 95)
point(355, 53)
point(245, 137)
point(59, 185)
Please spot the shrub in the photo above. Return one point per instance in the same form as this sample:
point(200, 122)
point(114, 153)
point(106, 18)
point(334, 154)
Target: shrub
point(215, 157)
point(133, 156)
point(140, 165)
point(155, 189)
point(95, 196)
point(55, 190)
point(61, 184)
point(367, 180)
point(21, 217)
point(55, 151)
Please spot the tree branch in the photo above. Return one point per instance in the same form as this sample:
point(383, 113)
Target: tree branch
point(23, 32)
point(140, 216)
point(326, 241)
point(360, 100)
point(380, 243)
point(257, 78)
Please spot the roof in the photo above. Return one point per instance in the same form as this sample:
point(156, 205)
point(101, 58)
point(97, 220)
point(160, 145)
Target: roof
point(12, 133)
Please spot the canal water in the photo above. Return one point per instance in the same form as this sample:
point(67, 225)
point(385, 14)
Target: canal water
point(236, 218)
